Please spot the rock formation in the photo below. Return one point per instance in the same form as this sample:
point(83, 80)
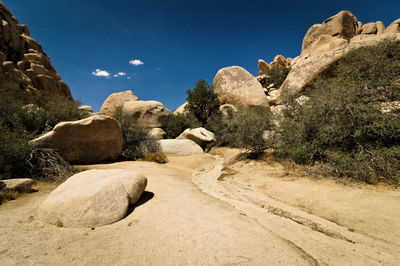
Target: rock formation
point(116, 101)
point(157, 133)
point(236, 86)
point(326, 43)
point(93, 198)
point(126, 107)
point(91, 140)
point(24, 68)
point(179, 147)
point(181, 109)
point(199, 135)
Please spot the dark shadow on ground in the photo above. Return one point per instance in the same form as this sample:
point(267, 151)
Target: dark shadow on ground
point(146, 196)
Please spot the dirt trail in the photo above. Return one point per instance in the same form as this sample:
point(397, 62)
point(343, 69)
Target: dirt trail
point(188, 217)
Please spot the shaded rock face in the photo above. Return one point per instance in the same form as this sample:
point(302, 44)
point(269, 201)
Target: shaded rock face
point(24, 67)
point(116, 101)
point(93, 198)
point(236, 86)
point(179, 147)
point(91, 140)
point(19, 184)
point(394, 27)
point(263, 67)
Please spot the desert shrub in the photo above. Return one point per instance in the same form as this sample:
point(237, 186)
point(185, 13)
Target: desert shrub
point(276, 76)
point(202, 101)
point(19, 123)
point(48, 165)
point(343, 125)
point(157, 157)
point(242, 129)
point(137, 140)
point(177, 123)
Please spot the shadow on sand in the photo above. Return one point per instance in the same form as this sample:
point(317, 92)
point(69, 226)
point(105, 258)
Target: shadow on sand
point(146, 196)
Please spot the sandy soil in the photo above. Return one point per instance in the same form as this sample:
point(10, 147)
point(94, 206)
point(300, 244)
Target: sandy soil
point(190, 215)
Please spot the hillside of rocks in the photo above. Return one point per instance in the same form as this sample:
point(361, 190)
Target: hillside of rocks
point(24, 66)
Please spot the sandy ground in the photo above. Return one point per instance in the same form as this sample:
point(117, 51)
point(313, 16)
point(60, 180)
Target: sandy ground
point(191, 215)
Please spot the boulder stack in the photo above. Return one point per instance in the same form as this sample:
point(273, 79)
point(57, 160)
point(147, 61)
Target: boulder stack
point(24, 68)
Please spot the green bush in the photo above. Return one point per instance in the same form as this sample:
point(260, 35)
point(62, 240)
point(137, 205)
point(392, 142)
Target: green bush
point(157, 157)
point(275, 76)
point(242, 129)
point(177, 123)
point(202, 101)
point(343, 124)
point(19, 123)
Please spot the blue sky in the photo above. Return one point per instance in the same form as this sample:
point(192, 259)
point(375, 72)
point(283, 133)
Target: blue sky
point(178, 42)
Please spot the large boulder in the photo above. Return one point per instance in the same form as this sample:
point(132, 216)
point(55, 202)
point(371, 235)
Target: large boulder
point(91, 140)
point(93, 198)
point(149, 114)
point(199, 135)
point(114, 103)
point(24, 67)
point(179, 147)
point(236, 86)
point(157, 133)
point(343, 25)
point(307, 69)
point(394, 27)
point(263, 67)
point(279, 62)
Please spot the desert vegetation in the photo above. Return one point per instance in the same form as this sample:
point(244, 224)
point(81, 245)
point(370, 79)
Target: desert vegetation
point(20, 123)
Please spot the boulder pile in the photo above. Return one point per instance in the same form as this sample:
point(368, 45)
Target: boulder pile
point(24, 67)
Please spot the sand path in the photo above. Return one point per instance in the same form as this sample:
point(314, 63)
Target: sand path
point(188, 217)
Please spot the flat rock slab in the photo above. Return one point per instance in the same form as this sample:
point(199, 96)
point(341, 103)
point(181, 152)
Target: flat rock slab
point(179, 147)
point(19, 184)
point(93, 198)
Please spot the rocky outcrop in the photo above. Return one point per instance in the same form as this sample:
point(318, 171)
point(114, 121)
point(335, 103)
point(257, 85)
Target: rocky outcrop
point(199, 135)
point(236, 86)
point(24, 68)
point(91, 140)
point(149, 114)
point(93, 198)
point(308, 69)
point(114, 103)
point(343, 25)
point(263, 67)
point(179, 147)
point(226, 108)
point(394, 27)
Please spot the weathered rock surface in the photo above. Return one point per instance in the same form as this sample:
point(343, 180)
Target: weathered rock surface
point(279, 62)
point(116, 101)
point(91, 140)
point(19, 184)
point(93, 198)
point(238, 87)
point(394, 27)
point(326, 43)
point(24, 68)
point(157, 133)
point(149, 114)
point(263, 67)
point(86, 108)
point(179, 147)
point(199, 135)
point(181, 109)
point(307, 69)
point(226, 108)
point(343, 25)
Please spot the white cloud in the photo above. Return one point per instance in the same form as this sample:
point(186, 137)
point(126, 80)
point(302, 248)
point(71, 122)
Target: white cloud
point(136, 62)
point(128, 78)
point(101, 73)
point(115, 76)
point(121, 74)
